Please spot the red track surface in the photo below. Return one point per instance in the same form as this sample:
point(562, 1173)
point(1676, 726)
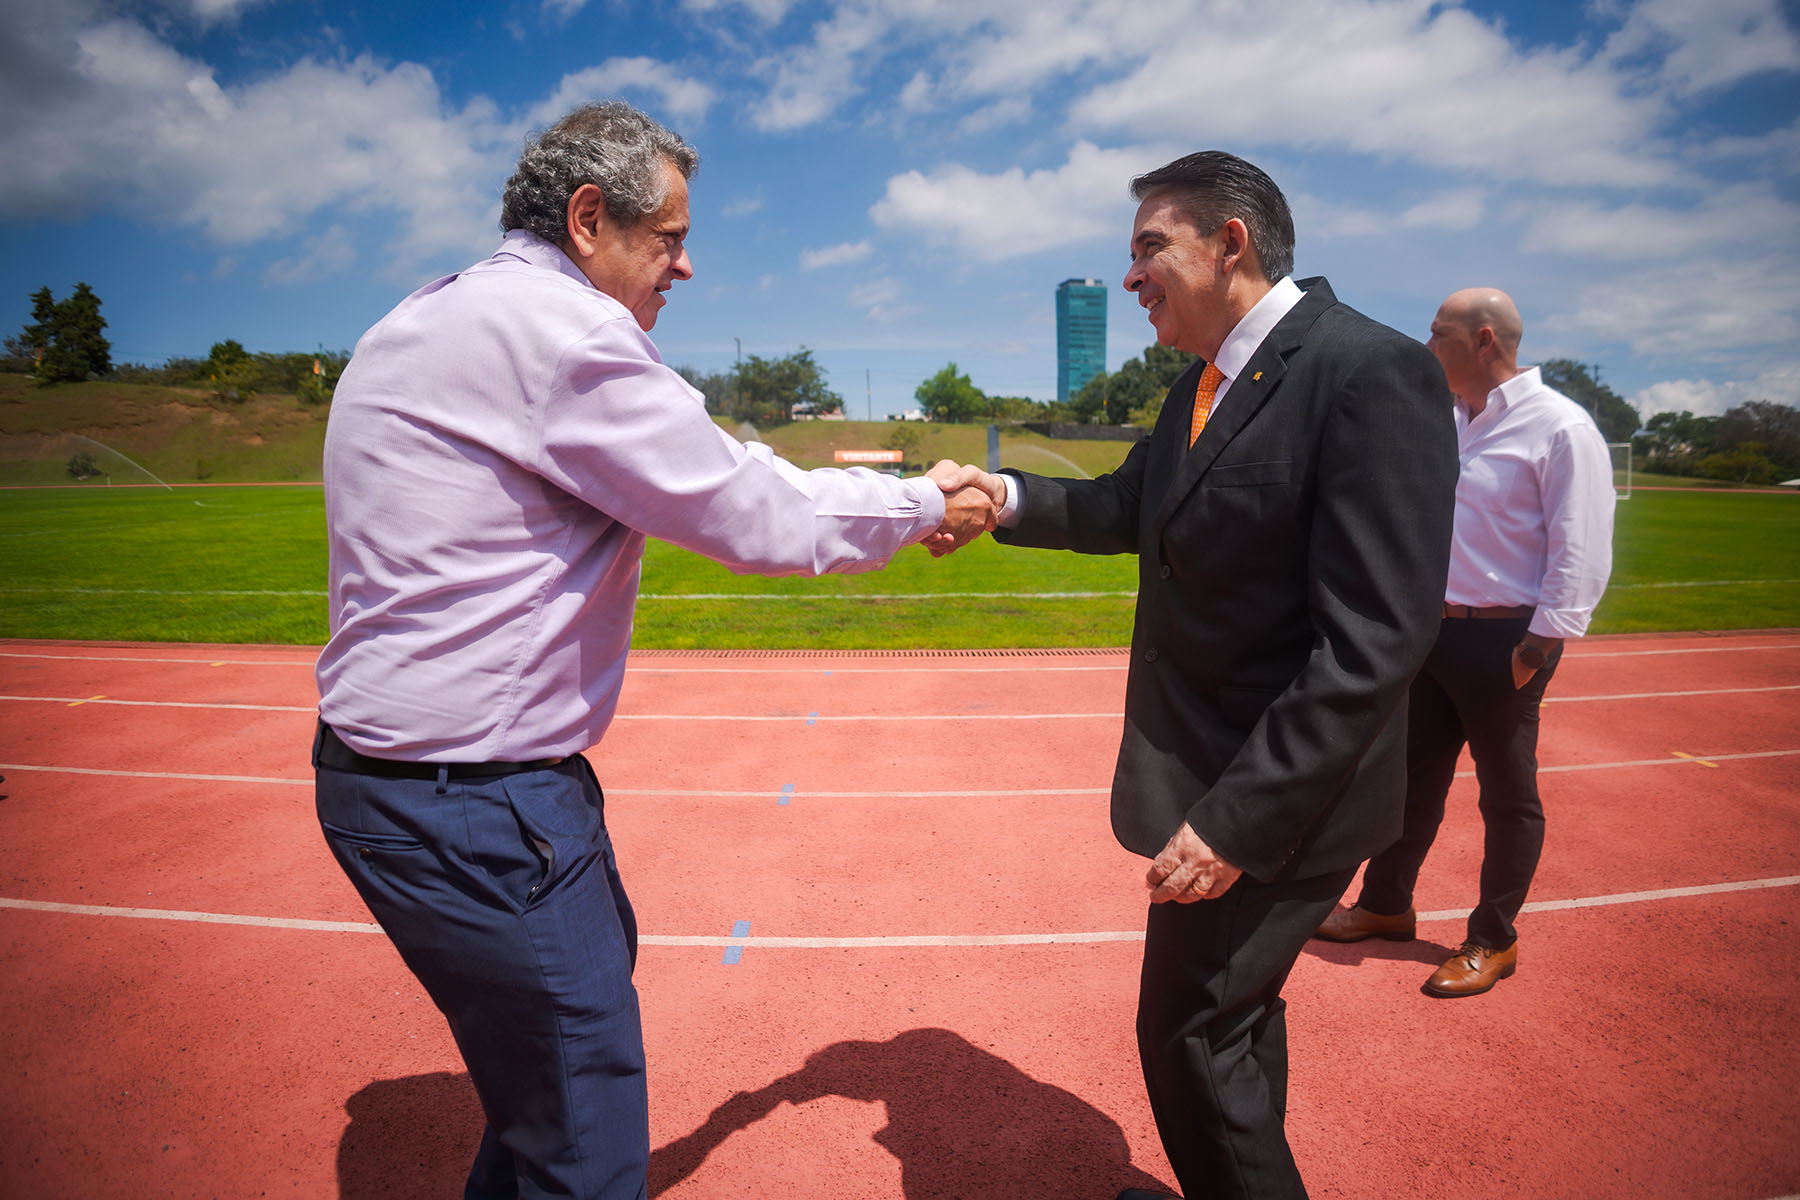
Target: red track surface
point(1646, 1048)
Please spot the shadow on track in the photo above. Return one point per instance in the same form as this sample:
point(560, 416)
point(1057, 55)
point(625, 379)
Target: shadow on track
point(409, 1139)
point(962, 1122)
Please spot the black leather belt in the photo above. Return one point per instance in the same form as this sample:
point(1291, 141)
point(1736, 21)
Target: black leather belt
point(329, 751)
point(1471, 613)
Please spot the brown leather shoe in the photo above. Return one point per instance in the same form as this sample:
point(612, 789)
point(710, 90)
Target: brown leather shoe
point(1355, 923)
point(1472, 970)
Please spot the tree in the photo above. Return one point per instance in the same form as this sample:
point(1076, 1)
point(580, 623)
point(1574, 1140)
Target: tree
point(950, 398)
point(1775, 428)
point(1746, 462)
point(1134, 393)
point(231, 371)
point(717, 387)
point(66, 338)
point(1674, 443)
point(906, 438)
point(773, 391)
point(1617, 420)
point(83, 465)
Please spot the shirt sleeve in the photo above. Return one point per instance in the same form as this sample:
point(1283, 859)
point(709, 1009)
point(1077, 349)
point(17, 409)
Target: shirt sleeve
point(1577, 491)
point(627, 435)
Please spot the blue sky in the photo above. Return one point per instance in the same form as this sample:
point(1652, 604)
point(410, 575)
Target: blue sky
point(902, 183)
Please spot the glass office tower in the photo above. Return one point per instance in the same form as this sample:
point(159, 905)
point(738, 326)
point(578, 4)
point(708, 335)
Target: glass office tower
point(1080, 334)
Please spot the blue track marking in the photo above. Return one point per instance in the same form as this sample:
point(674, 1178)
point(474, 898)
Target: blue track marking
point(734, 953)
point(811, 718)
point(787, 793)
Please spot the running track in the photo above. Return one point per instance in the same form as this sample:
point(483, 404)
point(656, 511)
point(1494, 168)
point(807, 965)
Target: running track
point(891, 946)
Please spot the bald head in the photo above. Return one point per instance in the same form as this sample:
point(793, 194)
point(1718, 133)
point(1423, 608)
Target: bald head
point(1475, 336)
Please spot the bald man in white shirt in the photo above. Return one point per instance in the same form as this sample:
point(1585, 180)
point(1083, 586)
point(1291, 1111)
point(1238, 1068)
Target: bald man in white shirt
point(1528, 562)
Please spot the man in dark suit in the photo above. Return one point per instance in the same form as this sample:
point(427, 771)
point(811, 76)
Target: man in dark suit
point(1291, 513)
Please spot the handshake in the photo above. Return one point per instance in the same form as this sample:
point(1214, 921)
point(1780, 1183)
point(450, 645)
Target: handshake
point(972, 502)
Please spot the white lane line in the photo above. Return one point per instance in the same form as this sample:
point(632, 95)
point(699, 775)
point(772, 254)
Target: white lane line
point(826, 718)
point(1685, 760)
point(900, 941)
point(297, 708)
point(1743, 691)
point(1694, 760)
point(645, 661)
point(1595, 652)
point(307, 662)
point(183, 775)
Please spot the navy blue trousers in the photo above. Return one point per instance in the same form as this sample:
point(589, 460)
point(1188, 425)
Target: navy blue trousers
point(503, 897)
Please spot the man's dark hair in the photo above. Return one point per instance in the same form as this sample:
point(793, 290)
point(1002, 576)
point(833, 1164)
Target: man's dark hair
point(1211, 187)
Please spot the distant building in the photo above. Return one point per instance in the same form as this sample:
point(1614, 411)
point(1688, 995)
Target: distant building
point(1080, 334)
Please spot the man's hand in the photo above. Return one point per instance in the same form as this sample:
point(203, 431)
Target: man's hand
point(1536, 647)
point(972, 499)
point(1187, 870)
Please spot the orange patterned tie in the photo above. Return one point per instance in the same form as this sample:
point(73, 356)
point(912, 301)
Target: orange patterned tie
point(1204, 395)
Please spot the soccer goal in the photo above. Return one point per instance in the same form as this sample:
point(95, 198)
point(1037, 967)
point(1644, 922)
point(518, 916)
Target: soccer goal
point(1621, 465)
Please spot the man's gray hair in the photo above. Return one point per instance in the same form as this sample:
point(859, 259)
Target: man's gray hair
point(611, 145)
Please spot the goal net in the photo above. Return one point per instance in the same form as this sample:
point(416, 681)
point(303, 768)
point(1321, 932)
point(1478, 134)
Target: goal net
point(1621, 464)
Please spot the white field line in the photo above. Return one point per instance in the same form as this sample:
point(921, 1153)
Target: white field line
point(1628, 587)
point(828, 718)
point(900, 941)
point(1685, 759)
point(756, 596)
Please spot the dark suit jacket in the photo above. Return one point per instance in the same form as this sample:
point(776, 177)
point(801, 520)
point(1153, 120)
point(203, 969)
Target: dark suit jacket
point(1291, 573)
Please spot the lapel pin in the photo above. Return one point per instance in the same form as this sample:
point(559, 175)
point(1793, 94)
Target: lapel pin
point(1256, 378)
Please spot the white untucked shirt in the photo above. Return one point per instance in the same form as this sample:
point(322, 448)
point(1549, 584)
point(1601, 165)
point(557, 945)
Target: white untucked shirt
point(1534, 507)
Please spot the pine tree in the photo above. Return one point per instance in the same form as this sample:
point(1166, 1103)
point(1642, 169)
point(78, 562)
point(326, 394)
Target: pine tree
point(66, 337)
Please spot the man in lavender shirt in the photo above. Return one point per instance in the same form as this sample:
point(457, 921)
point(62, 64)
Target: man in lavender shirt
point(499, 448)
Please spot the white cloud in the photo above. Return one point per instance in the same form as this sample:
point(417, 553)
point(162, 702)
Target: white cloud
point(1394, 79)
point(129, 121)
point(835, 256)
point(1012, 213)
point(1013, 110)
point(768, 11)
point(1690, 307)
point(324, 255)
point(1706, 397)
point(809, 82)
point(680, 98)
point(1456, 209)
point(1745, 213)
point(877, 298)
point(743, 206)
point(562, 10)
point(214, 11)
point(1699, 47)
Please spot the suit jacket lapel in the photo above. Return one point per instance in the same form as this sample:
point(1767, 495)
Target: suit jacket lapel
point(1250, 391)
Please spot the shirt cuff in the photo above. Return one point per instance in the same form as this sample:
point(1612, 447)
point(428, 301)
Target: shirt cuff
point(1008, 516)
point(1560, 622)
point(931, 506)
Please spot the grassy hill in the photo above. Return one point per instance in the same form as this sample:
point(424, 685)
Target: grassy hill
point(179, 435)
point(185, 435)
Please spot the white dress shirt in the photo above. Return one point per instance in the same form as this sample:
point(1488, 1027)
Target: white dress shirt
point(1234, 353)
point(499, 448)
point(1534, 507)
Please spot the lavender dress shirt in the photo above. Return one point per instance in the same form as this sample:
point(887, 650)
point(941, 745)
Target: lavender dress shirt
point(499, 448)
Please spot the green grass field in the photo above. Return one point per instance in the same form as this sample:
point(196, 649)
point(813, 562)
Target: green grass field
point(247, 564)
